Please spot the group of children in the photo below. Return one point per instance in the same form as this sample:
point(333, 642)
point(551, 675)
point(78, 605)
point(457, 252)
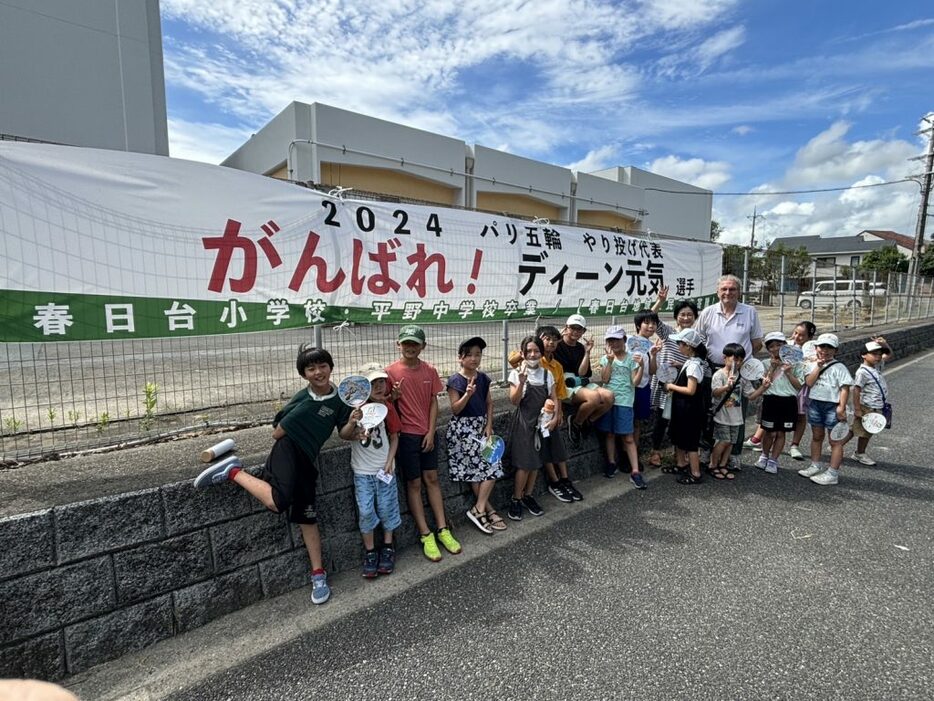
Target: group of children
point(551, 368)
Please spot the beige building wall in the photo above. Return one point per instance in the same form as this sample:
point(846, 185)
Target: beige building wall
point(609, 220)
point(387, 182)
point(516, 204)
point(281, 174)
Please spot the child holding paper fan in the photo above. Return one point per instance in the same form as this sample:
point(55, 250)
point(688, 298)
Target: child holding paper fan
point(830, 382)
point(870, 393)
point(372, 459)
point(471, 426)
point(287, 485)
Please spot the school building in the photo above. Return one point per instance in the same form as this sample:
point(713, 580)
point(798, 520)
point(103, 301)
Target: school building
point(332, 147)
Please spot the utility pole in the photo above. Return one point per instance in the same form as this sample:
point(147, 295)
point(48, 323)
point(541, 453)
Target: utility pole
point(752, 237)
point(925, 198)
point(752, 247)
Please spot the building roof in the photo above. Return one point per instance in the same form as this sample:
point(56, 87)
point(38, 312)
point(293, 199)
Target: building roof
point(893, 236)
point(831, 245)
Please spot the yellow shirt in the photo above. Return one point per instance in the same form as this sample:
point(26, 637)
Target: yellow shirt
point(557, 371)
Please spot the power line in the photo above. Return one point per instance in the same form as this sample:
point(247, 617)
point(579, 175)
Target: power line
point(783, 192)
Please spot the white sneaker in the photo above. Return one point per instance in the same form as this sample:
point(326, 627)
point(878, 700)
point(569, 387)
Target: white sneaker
point(796, 453)
point(863, 459)
point(772, 466)
point(813, 469)
point(827, 477)
point(762, 462)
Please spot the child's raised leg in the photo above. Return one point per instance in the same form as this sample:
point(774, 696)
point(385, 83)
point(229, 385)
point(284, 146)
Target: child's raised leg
point(259, 489)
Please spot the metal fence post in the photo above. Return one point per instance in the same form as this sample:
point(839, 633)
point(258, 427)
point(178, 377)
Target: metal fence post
point(888, 294)
point(745, 273)
point(781, 296)
point(853, 301)
point(872, 298)
point(833, 326)
point(316, 336)
point(813, 289)
point(899, 281)
point(927, 309)
point(505, 350)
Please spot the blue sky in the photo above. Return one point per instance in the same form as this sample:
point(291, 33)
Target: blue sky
point(734, 96)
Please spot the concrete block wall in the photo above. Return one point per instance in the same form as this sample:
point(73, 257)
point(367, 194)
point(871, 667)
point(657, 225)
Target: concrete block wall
point(84, 583)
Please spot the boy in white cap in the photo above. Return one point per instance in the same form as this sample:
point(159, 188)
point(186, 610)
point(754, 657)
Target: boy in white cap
point(870, 393)
point(371, 453)
point(779, 403)
point(830, 382)
point(589, 399)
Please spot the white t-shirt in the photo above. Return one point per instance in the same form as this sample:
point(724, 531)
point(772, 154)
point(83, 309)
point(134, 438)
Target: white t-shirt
point(536, 376)
point(731, 413)
point(693, 367)
point(369, 457)
point(869, 391)
point(832, 380)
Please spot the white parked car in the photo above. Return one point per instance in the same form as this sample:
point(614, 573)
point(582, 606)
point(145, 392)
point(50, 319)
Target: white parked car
point(846, 292)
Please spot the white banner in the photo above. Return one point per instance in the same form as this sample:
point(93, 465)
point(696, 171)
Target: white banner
point(106, 244)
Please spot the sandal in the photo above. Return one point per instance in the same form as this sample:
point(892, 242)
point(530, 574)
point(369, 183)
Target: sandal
point(690, 479)
point(655, 459)
point(720, 473)
point(496, 521)
point(480, 520)
point(675, 469)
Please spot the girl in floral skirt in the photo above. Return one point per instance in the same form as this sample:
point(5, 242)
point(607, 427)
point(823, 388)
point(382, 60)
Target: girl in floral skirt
point(470, 427)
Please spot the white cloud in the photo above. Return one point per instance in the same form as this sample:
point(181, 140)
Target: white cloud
point(210, 143)
point(598, 159)
point(784, 209)
point(829, 158)
point(696, 171)
point(742, 129)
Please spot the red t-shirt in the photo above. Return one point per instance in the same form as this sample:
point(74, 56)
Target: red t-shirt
point(420, 385)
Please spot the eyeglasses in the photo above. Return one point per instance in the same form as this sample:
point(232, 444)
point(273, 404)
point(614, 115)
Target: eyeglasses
point(729, 289)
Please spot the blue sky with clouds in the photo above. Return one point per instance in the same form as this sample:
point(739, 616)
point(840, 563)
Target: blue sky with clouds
point(729, 95)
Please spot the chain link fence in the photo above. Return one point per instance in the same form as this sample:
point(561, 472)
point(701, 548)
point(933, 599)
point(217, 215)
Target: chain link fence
point(66, 397)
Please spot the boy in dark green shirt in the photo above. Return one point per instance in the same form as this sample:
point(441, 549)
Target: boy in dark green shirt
point(287, 484)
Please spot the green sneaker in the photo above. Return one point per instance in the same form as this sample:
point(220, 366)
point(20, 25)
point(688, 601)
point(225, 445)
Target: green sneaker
point(448, 541)
point(430, 547)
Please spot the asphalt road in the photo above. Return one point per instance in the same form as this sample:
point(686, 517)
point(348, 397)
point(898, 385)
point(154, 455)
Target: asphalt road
point(767, 587)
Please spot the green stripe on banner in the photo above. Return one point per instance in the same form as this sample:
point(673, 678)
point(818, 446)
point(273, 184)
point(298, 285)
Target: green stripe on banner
point(38, 317)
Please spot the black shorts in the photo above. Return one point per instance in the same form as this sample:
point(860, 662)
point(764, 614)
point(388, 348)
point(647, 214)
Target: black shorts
point(292, 476)
point(779, 413)
point(411, 460)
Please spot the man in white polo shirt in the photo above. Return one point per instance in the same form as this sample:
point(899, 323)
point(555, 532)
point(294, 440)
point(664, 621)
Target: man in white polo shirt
point(730, 321)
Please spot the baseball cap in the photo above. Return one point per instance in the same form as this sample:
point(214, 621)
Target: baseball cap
point(475, 341)
point(615, 332)
point(576, 320)
point(876, 346)
point(827, 339)
point(690, 336)
point(412, 333)
point(775, 336)
point(373, 371)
